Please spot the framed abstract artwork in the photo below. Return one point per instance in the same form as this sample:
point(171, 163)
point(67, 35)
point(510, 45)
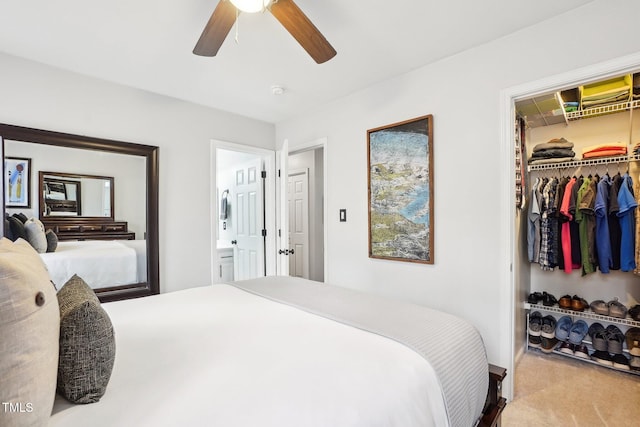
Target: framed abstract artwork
point(17, 182)
point(400, 179)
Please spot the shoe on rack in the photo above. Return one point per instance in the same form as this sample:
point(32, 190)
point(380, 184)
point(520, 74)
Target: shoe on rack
point(598, 337)
point(581, 351)
point(600, 307)
point(548, 300)
point(634, 363)
point(634, 312)
point(567, 347)
point(578, 332)
point(535, 322)
point(535, 341)
point(602, 357)
point(615, 339)
point(617, 309)
point(563, 326)
point(633, 341)
point(548, 327)
point(534, 298)
point(620, 361)
point(578, 304)
point(548, 344)
point(565, 302)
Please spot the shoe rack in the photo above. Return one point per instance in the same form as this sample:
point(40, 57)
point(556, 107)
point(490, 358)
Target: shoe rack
point(587, 315)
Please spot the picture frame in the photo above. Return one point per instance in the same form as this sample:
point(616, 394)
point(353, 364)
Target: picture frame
point(400, 191)
point(17, 182)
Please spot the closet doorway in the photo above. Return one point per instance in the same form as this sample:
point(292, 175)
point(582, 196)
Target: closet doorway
point(305, 198)
point(516, 282)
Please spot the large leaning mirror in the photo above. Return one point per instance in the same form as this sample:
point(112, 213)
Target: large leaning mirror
point(98, 197)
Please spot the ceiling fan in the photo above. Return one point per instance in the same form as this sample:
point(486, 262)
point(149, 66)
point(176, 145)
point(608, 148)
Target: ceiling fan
point(285, 11)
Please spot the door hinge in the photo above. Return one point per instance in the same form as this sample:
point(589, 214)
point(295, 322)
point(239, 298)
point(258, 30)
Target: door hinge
point(279, 232)
point(264, 233)
point(278, 173)
point(264, 174)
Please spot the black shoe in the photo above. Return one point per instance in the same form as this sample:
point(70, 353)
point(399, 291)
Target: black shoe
point(620, 361)
point(534, 298)
point(602, 357)
point(535, 341)
point(634, 312)
point(548, 327)
point(567, 347)
point(548, 300)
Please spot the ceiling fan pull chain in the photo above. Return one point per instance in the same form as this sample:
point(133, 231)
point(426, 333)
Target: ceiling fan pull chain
point(237, 15)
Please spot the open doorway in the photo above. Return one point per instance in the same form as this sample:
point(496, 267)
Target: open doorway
point(305, 197)
point(242, 212)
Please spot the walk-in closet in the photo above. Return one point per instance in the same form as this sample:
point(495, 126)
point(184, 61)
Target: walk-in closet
point(577, 227)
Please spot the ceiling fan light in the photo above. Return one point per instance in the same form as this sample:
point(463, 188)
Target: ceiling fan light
point(251, 6)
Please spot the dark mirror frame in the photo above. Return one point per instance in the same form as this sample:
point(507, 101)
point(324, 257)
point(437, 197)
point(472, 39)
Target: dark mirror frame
point(74, 179)
point(150, 153)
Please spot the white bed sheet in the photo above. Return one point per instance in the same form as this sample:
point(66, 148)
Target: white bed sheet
point(219, 356)
point(100, 263)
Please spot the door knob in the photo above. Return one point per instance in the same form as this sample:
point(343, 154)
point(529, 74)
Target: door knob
point(283, 252)
point(291, 252)
point(234, 242)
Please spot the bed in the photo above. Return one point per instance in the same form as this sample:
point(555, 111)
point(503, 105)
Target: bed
point(281, 351)
point(101, 263)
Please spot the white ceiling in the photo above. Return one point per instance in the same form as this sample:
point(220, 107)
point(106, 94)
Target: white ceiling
point(147, 44)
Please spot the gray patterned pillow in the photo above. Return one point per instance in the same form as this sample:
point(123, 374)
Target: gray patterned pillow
point(87, 344)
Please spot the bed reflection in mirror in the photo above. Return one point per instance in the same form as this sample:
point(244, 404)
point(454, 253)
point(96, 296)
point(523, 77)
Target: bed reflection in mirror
point(95, 201)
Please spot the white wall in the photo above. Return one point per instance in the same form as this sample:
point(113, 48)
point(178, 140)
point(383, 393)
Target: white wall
point(43, 97)
point(463, 94)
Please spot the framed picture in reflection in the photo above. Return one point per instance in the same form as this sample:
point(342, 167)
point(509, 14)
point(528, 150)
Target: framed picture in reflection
point(17, 182)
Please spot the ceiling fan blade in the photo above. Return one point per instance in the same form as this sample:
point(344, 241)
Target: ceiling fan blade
point(216, 29)
point(303, 30)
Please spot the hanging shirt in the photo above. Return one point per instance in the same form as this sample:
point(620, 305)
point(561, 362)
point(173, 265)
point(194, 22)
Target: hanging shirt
point(533, 225)
point(601, 209)
point(561, 219)
point(583, 220)
point(565, 231)
point(576, 253)
point(626, 215)
point(615, 233)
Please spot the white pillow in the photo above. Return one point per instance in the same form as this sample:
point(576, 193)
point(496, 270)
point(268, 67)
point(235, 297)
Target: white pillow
point(30, 328)
point(35, 234)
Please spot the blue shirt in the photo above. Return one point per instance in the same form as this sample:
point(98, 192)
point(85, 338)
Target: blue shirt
point(603, 242)
point(626, 216)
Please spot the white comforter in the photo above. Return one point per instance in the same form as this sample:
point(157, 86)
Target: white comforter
point(220, 356)
point(100, 263)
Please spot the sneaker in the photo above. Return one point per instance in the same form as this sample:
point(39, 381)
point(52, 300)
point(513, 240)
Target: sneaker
point(600, 307)
point(633, 341)
point(535, 322)
point(598, 337)
point(634, 363)
point(567, 347)
point(634, 312)
point(563, 326)
point(617, 309)
point(548, 344)
point(602, 357)
point(548, 327)
point(535, 341)
point(620, 361)
point(578, 332)
point(615, 339)
point(581, 351)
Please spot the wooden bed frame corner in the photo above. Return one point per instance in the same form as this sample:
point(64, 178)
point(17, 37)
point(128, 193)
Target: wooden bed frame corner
point(495, 404)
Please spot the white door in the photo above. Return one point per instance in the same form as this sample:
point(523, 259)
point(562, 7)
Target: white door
point(247, 211)
point(298, 196)
point(282, 215)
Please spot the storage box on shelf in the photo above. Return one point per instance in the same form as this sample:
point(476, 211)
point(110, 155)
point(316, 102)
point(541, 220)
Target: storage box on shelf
point(587, 315)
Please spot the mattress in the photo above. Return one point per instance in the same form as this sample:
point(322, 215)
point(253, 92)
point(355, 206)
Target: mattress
point(222, 356)
point(100, 263)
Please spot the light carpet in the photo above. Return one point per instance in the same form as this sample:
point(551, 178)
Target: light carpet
point(551, 390)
